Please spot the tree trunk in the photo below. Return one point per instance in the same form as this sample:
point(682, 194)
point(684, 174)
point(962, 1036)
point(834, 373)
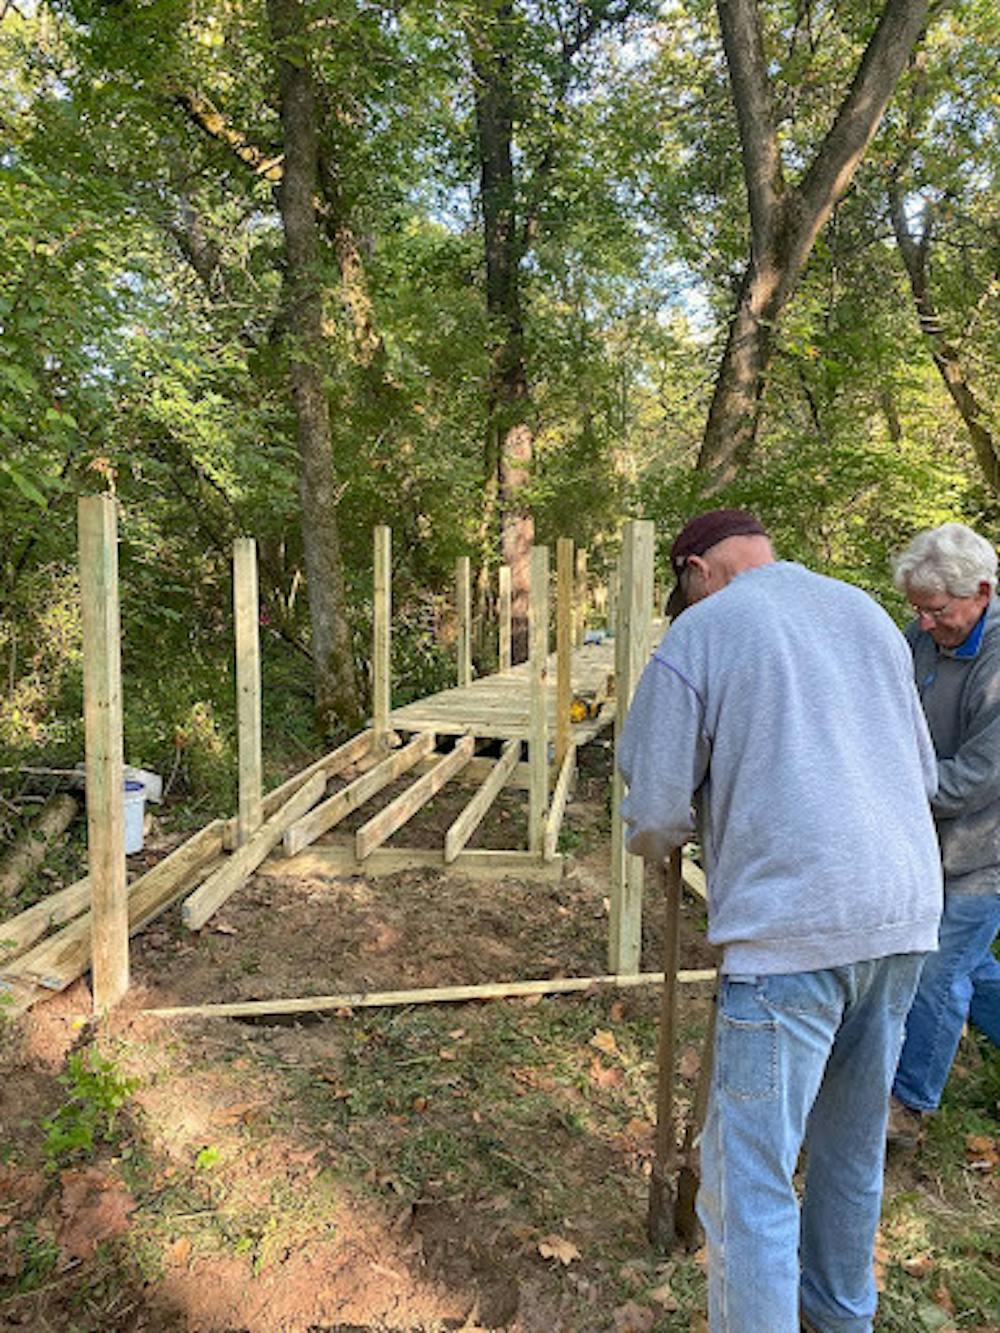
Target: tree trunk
point(509, 437)
point(336, 688)
point(945, 355)
point(784, 222)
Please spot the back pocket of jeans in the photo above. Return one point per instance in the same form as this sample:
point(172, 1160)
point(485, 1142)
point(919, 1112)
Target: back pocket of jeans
point(748, 1058)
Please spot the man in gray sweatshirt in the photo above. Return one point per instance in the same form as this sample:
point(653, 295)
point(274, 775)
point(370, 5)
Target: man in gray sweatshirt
point(781, 709)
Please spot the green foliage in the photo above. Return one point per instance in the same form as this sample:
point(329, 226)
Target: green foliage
point(37, 1254)
point(97, 1093)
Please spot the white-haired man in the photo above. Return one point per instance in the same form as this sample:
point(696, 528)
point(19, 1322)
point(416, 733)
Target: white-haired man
point(948, 574)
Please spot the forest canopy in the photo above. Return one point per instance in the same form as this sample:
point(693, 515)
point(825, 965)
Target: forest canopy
point(489, 271)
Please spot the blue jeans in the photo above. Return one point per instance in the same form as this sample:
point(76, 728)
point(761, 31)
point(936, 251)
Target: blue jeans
point(961, 981)
point(803, 1056)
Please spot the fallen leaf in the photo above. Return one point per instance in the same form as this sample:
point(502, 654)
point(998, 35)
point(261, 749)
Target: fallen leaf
point(690, 1063)
point(557, 1247)
point(180, 1251)
point(419, 1104)
point(529, 1001)
point(982, 1152)
point(229, 1115)
point(446, 1054)
point(456, 1033)
point(633, 1318)
point(617, 1011)
point(94, 1207)
point(604, 1040)
point(602, 1076)
point(942, 1298)
point(663, 1295)
point(917, 1265)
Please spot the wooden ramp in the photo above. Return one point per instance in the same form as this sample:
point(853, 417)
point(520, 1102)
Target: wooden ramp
point(499, 706)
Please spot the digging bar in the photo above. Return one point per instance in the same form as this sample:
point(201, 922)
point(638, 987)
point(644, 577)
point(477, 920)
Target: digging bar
point(661, 1218)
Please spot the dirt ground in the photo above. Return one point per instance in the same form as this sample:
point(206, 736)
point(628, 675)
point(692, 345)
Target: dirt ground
point(473, 1166)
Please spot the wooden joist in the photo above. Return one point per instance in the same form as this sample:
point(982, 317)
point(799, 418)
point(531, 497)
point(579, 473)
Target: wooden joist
point(472, 816)
point(383, 825)
point(338, 860)
point(340, 804)
point(503, 990)
point(59, 960)
point(554, 819)
point(20, 932)
point(331, 764)
point(224, 882)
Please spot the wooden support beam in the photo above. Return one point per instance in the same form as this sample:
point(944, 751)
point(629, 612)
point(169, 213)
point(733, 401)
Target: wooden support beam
point(382, 826)
point(582, 599)
point(341, 803)
point(246, 615)
point(472, 816)
point(20, 932)
point(57, 961)
point(102, 716)
point(480, 768)
point(538, 658)
point(31, 846)
point(463, 607)
point(501, 990)
point(631, 654)
point(560, 796)
point(224, 882)
point(694, 878)
point(338, 859)
point(381, 632)
point(331, 764)
point(503, 618)
point(613, 590)
point(564, 645)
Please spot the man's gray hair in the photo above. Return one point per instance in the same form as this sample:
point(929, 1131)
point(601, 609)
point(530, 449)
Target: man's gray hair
point(950, 559)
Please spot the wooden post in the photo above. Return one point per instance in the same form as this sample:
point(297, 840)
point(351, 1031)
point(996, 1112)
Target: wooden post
point(538, 659)
point(564, 642)
point(105, 765)
point(611, 603)
point(381, 640)
point(631, 654)
point(582, 600)
point(503, 618)
point(463, 603)
point(246, 611)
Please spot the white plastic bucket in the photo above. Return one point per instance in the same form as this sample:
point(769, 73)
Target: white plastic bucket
point(135, 809)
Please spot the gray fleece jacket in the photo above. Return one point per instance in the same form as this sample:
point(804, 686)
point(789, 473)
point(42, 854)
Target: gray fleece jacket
point(960, 692)
point(783, 708)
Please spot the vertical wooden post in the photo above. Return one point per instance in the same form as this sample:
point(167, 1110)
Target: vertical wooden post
point(463, 603)
point(538, 660)
point(564, 641)
point(582, 600)
point(503, 618)
point(246, 613)
point(632, 648)
point(611, 619)
point(105, 765)
point(381, 635)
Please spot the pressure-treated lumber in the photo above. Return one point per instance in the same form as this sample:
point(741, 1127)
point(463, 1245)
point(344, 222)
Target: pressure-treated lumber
point(102, 718)
point(224, 882)
point(331, 764)
point(472, 816)
point(32, 844)
point(341, 803)
point(57, 961)
point(694, 878)
point(560, 796)
point(632, 635)
point(335, 860)
point(482, 767)
point(246, 618)
point(564, 644)
point(581, 601)
point(463, 603)
point(503, 617)
point(504, 990)
point(20, 932)
point(383, 825)
point(538, 659)
point(381, 633)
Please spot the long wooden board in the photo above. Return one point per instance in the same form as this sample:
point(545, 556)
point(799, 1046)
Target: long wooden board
point(338, 859)
point(328, 814)
point(472, 816)
point(20, 932)
point(383, 825)
point(557, 810)
point(503, 990)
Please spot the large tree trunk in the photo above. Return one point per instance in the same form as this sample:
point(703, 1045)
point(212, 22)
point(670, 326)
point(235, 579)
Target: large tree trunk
point(509, 437)
point(785, 221)
point(914, 252)
point(336, 688)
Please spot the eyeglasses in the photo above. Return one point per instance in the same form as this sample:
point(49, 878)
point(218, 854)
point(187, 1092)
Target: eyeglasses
point(933, 613)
